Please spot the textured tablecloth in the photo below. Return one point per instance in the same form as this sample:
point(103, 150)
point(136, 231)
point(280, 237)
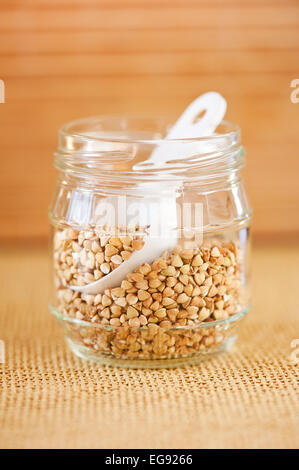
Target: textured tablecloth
point(247, 398)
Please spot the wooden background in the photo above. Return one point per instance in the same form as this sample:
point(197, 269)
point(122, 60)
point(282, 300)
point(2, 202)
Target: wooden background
point(65, 59)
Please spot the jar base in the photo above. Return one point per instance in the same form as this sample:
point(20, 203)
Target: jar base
point(107, 360)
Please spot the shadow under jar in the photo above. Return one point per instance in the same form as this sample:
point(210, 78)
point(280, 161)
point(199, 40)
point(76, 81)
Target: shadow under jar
point(150, 262)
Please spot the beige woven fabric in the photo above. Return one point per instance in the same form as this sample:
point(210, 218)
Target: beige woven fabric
point(247, 398)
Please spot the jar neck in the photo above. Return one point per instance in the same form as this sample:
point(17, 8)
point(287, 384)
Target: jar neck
point(93, 156)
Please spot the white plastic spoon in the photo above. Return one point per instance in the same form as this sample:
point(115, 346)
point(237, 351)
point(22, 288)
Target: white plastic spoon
point(161, 237)
point(214, 106)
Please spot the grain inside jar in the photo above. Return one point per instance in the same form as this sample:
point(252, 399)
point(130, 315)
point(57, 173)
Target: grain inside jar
point(156, 310)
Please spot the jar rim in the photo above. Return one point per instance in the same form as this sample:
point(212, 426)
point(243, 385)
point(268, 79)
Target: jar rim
point(69, 129)
point(107, 146)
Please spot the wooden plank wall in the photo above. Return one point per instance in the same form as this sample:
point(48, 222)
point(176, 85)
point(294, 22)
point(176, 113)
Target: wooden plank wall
point(65, 59)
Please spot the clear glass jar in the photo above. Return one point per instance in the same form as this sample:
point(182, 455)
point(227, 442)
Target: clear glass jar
point(150, 261)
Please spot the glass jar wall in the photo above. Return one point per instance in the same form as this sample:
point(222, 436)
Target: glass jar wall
point(150, 261)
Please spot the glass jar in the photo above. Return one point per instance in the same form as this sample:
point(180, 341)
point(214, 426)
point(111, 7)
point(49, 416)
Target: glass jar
point(150, 242)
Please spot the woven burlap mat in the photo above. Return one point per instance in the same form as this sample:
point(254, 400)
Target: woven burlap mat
point(247, 398)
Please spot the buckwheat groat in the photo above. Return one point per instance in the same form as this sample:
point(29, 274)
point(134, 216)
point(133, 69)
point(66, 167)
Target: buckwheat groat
point(155, 311)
